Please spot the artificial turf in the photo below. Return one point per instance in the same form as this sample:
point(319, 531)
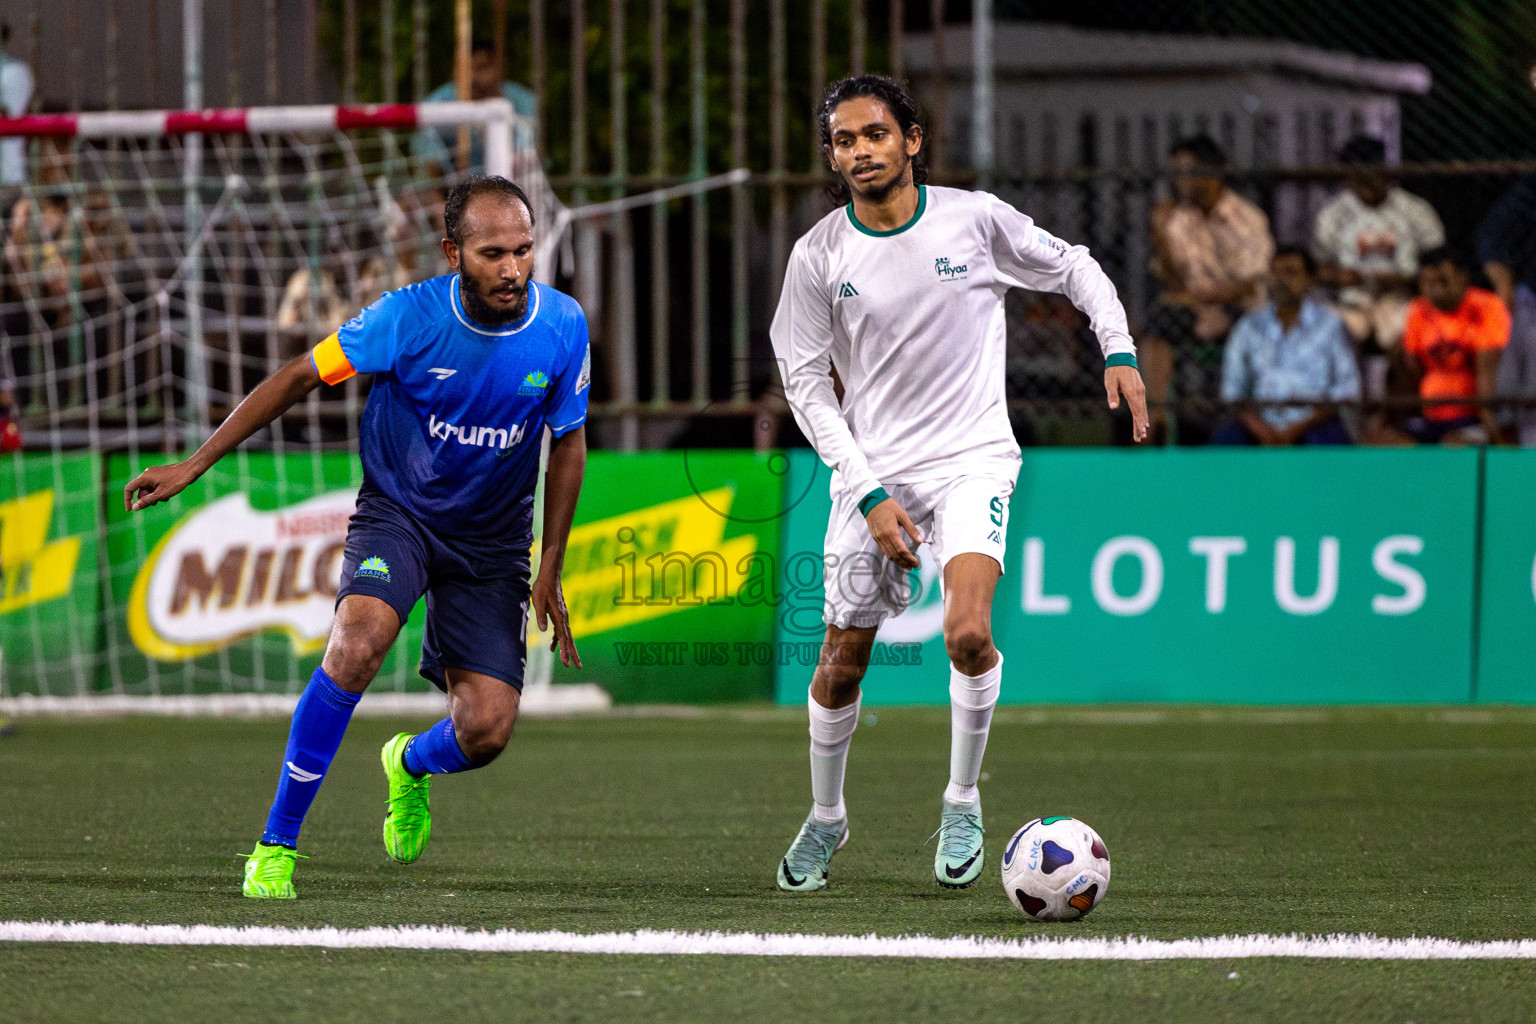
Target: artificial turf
point(1388, 821)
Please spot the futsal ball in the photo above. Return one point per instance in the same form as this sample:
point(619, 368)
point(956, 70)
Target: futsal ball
point(1055, 869)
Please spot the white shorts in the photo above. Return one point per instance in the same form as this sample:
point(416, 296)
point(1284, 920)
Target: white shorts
point(966, 513)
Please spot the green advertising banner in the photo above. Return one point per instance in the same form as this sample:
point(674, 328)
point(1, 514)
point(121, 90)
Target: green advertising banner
point(50, 634)
point(1255, 576)
point(231, 585)
point(669, 575)
point(1506, 663)
point(1286, 576)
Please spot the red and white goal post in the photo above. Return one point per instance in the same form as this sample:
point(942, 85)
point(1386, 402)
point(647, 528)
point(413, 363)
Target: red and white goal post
point(157, 265)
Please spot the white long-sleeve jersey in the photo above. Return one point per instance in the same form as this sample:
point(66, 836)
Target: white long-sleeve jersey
point(913, 320)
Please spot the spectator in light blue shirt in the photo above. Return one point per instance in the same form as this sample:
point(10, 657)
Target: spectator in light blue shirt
point(1293, 348)
point(440, 146)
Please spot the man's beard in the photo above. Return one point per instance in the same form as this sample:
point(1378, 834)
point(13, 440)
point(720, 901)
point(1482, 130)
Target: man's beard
point(879, 193)
point(483, 313)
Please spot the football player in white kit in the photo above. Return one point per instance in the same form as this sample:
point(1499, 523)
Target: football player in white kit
point(901, 293)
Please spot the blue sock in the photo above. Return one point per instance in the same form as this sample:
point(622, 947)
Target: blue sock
point(319, 722)
point(436, 752)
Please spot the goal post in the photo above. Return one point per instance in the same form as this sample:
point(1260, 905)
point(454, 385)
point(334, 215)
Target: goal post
point(157, 266)
point(495, 116)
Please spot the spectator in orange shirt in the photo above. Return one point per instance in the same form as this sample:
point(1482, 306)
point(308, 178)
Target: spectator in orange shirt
point(1453, 338)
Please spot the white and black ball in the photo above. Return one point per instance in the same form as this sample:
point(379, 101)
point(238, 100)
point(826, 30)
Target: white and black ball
point(1055, 869)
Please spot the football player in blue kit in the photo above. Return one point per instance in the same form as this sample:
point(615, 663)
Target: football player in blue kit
point(469, 368)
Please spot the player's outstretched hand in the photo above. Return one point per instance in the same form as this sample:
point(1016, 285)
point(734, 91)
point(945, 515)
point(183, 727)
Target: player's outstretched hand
point(886, 522)
point(157, 484)
point(1126, 381)
point(549, 606)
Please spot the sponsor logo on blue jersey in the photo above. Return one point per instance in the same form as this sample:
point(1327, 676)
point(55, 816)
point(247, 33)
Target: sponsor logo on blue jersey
point(374, 568)
point(536, 383)
point(504, 438)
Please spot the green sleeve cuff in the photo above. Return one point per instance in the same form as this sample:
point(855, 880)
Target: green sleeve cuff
point(872, 499)
point(1121, 359)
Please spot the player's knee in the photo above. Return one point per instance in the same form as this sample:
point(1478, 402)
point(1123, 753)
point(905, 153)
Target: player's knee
point(483, 738)
point(969, 646)
point(353, 660)
point(839, 683)
point(482, 721)
point(360, 638)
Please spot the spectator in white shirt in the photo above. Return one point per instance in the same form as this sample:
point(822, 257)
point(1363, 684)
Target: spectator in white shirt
point(16, 86)
point(1367, 242)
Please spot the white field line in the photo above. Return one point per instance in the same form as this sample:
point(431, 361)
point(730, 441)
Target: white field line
point(671, 943)
point(540, 702)
point(590, 699)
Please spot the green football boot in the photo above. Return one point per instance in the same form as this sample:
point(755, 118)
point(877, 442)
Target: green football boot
point(269, 873)
point(408, 822)
point(960, 857)
point(804, 867)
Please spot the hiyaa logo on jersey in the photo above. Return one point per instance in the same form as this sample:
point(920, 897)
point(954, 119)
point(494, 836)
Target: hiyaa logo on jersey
point(228, 571)
point(534, 384)
point(494, 437)
point(32, 570)
point(948, 271)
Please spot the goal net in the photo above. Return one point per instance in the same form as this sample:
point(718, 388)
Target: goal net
point(157, 266)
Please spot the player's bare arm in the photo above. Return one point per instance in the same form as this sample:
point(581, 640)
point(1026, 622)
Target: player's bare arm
point(567, 464)
point(1125, 382)
point(272, 397)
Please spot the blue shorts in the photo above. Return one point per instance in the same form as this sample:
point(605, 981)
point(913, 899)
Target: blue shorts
point(477, 590)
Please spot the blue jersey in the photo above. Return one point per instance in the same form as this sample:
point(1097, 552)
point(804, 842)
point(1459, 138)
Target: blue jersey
point(455, 418)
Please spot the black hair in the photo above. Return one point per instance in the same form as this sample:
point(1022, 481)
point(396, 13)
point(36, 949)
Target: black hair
point(5, 32)
point(478, 185)
point(1203, 148)
point(1363, 151)
point(1297, 250)
point(1446, 254)
point(896, 99)
point(480, 44)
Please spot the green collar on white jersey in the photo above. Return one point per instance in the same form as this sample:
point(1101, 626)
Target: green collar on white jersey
point(922, 204)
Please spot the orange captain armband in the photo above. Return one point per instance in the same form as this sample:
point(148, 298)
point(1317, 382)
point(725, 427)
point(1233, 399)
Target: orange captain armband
point(331, 362)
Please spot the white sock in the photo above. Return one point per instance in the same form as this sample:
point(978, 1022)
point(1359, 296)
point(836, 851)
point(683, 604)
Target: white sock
point(831, 735)
point(971, 700)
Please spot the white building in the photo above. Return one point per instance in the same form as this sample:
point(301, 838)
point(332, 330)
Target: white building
point(1069, 100)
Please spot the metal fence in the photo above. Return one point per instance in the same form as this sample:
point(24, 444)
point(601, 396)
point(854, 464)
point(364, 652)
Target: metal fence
point(642, 95)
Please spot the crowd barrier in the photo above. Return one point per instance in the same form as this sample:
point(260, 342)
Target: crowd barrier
point(1295, 576)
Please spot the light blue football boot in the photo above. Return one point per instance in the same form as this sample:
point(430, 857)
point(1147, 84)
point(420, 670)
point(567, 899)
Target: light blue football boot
point(804, 867)
point(960, 856)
